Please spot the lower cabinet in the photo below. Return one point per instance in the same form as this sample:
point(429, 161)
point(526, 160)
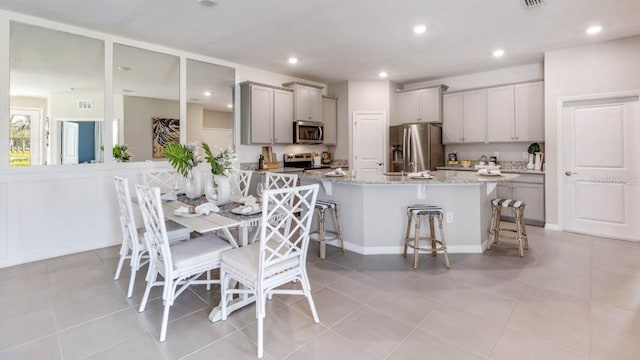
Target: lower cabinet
point(531, 193)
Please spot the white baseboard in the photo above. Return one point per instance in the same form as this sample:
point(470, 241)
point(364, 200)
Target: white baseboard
point(55, 253)
point(554, 227)
point(379, 250)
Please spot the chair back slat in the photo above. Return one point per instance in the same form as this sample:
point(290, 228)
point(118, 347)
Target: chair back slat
point(127, 219)
point(155, 229)
point(240, 181)
point(166, 180)
point(280, 181)
point(287, 237)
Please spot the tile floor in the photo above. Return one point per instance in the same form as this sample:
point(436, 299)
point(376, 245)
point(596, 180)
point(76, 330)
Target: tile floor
point(570, 297)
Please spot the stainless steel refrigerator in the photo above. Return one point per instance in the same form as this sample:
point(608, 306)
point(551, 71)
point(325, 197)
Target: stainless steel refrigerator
point(415, 147)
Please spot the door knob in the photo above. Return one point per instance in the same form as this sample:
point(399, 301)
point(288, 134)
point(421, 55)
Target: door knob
point(379, 164)
point(569, 173)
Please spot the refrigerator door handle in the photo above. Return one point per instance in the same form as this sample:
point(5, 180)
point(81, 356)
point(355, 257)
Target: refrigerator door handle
point(404, 149)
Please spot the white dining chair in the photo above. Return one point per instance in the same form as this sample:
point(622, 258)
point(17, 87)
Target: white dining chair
point(278, 258)
point(280, 180)
point(133, 246)
point(167, 180)
point(240, 181)
point(180, 265)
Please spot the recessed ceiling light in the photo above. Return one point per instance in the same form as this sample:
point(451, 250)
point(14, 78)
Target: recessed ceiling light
point(382, 74)
point(419, 29)
point(230, 106)
point(498, 53)
point(592, 30)
point(124, 68)
point(293, 60)
point(207, 3)
point(207, 93)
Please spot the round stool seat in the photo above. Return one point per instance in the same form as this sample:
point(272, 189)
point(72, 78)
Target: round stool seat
point(508, 203)
point(425, 210)
point(324, 205)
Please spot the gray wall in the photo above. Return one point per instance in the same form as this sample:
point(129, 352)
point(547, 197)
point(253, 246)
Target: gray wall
point(606, 67)
point(138, 112)
point(217, 119)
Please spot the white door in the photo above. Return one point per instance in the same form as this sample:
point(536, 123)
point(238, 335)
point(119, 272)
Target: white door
point(69, 142)
point(369, 141)
point(601, 161)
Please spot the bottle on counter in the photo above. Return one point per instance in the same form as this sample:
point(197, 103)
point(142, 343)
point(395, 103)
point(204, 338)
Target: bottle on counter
point(261, 162)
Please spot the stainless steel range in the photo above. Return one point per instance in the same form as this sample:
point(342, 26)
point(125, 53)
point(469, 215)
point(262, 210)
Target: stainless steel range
point(302, 160)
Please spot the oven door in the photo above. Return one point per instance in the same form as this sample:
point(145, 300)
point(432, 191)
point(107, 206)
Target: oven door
point(308, 132)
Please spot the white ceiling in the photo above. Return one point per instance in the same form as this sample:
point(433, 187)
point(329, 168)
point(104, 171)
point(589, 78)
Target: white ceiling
point(354, 39)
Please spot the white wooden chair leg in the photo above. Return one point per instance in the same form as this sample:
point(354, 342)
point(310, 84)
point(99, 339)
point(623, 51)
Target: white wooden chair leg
point(165, 319)
point(132, 280)
point(145, 297)
point(306, 287)
point(209, 280)
point(224, 282)
point(260, 337)
point(123, 255)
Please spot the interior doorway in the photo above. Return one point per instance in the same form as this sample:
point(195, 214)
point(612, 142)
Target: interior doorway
point(601, 166)
point(369, 141)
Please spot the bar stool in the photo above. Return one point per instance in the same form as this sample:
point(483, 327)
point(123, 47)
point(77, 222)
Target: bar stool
point(520, 231)
point(415, 213)
point(322, 234)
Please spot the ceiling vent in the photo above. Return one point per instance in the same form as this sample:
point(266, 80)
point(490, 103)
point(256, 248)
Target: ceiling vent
point(85, 104)
point(532, 3)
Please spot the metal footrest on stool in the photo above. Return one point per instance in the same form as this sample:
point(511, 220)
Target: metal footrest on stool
point(520, 231)
point(322, 234)
point(415, 213)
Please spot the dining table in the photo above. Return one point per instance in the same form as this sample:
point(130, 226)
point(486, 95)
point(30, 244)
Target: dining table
point(224, 221)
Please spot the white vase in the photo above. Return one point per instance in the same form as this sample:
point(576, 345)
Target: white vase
point(193, 184)
point(218, 189)
point(530, 165)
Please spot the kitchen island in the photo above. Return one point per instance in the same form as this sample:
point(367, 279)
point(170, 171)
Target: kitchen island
point(372, 207)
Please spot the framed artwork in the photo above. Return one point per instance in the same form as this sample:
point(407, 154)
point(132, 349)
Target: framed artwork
point(164, 131)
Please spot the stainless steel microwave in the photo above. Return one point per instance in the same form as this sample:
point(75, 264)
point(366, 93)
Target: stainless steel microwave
point(308, 132)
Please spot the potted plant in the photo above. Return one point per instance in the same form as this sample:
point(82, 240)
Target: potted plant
point(184, 158)
point(121, 153)
point(532, 150)
point(218, 187)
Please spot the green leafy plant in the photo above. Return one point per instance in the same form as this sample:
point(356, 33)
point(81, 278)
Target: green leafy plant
point(180, 157)
point(533, 148)
point(121, 153)
point(220, 164)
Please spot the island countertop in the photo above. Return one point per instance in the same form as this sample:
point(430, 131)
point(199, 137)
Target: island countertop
point(439, 177)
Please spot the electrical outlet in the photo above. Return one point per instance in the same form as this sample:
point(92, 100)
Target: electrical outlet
point(449, 217)
point(496, 154)
point(525, 155)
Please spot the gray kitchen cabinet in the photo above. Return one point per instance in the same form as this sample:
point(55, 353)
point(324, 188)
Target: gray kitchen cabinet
point(307, 101)
point(266, 114)
point(329, 120)
point(516, 113)
point(527, 188)
point(465, 117)
point(423, 105)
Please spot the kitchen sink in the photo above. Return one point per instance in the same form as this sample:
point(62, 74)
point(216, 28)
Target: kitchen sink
point(398, 173)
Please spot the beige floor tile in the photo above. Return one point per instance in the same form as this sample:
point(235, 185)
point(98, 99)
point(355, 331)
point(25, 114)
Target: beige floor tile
point(556, 303)
point(556, 278)
point(107, 253)
point(357, 286)
point(432, 286)
point(187, 303)
point(17, 304)
point(236, 346)
point(247, 315)
point(330, 306)
point(374, 331)
point(75, 312)
point(24, 328)
point(324, 273)
point(481, 303)
point(614, 333)
point(22, 271)
point(99, 334)
point(472, 332)
point(488, 282)
point(349, 260)
point(518, 345)
point(421, 345)
point(71, 261)
point(616, 289)
point(330, 345)
point(564, 330)
point(45, 348)
point(403, 304)
point(192, 333)
point(140, 347)
point(12, 287)
point(285, 331)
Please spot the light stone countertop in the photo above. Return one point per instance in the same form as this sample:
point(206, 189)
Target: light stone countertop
point(504, 170)
point(439, 177)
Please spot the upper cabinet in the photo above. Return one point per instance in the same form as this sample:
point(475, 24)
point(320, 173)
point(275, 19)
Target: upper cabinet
point(329, 120)
point(465, 115)
point(516, 113)
point(266, 114)
point(307, 101)
point(510, 113)
point(422, 105)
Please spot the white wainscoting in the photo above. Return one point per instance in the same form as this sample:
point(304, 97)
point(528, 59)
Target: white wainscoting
point(58, 210)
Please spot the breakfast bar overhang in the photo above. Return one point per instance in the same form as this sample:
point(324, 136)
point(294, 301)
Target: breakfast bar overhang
point(373, 207)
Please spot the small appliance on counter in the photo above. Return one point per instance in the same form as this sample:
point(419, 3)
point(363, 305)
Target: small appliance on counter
point(303, 161)
point(453, 158)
